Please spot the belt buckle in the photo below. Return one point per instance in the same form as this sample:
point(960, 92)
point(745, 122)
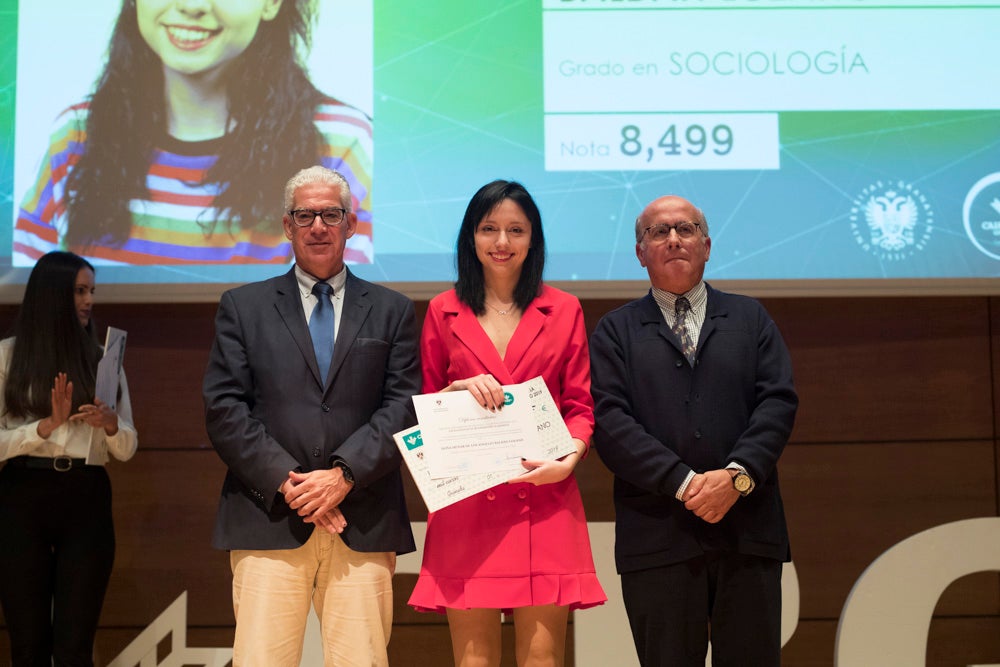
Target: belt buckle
point(62, 463)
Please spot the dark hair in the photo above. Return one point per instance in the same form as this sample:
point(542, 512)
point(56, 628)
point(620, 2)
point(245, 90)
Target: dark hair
point(49, 339)
point(271, 109)
point(470, 285)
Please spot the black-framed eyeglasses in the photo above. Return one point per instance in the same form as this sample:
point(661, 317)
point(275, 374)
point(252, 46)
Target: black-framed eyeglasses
point(304, 217)
point(660, 233)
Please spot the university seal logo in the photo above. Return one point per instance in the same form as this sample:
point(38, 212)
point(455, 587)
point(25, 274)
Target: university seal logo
point(891, 220)
point(981, 215)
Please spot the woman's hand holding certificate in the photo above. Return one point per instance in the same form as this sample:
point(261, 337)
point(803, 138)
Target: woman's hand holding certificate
point(461, 448)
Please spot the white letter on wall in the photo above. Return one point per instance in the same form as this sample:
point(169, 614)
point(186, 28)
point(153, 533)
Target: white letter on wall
point(887, 616)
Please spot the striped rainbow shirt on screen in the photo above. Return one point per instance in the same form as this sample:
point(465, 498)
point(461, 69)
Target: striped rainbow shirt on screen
point(175, 225)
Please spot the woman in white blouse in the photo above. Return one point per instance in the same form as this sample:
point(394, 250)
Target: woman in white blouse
point(57, 539)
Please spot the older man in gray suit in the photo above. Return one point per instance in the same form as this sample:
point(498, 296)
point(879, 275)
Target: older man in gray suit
point(309, 376)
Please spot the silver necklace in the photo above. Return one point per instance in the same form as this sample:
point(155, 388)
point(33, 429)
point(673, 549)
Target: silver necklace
point(507, 311)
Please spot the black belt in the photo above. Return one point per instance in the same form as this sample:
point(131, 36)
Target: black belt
point(58, 463)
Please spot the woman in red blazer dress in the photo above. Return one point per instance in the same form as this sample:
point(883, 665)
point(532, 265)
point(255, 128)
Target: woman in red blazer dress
point(520, 546)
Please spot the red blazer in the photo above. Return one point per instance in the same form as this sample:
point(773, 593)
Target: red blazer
point(521, 544)
point(550, 340)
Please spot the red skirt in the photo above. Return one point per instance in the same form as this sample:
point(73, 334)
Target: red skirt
point(515, 545)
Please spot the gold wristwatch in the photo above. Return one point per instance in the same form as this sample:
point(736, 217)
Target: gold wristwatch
point(743, 483)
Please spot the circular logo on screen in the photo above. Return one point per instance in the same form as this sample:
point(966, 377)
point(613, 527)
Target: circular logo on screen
point(892, 220)
point(981, 215)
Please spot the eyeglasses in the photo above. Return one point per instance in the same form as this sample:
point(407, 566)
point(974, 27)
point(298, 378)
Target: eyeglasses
point(660, 233)
point(305, 217)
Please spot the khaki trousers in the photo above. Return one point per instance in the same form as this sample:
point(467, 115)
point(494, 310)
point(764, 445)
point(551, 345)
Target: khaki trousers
point(351, 591)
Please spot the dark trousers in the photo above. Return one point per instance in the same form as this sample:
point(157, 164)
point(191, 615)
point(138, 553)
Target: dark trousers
point(733, 599)
point(57, 546)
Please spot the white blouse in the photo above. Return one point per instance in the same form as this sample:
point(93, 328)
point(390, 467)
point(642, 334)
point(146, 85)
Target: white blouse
point(76, 439)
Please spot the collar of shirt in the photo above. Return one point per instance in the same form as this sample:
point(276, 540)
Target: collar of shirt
point(306, 281)
point(697, 296)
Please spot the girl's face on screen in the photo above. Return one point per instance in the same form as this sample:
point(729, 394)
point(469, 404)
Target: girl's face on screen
point(200, 36)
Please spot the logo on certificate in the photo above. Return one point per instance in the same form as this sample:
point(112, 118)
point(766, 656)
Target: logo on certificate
point(981, 215)
point(508, 398)
point(413, 440)
point(891, 220)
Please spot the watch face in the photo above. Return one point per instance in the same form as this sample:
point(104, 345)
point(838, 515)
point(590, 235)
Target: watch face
point(742, 482)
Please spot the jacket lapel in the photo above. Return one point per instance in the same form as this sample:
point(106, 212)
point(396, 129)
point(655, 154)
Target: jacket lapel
point(713, 310)
point(650, 314)
point(356, 307)
point(288, 303)
point(468, 330)
point(531, 324)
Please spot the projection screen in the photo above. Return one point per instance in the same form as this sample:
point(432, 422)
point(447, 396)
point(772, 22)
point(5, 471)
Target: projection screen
point(834, 145)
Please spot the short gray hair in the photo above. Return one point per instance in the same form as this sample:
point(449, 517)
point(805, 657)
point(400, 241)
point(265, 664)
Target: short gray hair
point(318, 174)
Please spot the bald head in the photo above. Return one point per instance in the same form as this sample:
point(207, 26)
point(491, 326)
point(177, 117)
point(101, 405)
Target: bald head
point(641, 222)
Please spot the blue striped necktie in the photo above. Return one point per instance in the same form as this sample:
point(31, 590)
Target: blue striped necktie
point(321, 327)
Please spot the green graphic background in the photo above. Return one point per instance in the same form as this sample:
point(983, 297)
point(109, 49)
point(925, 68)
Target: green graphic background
point(458, 90)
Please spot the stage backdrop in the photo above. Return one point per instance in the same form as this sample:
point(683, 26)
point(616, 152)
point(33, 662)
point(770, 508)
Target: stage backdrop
point(897, 434)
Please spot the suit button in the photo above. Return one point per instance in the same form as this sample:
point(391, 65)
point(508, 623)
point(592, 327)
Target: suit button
point(490, 495)
point(315, 451)
point(522, 494)
point(697, 435)
point(326, 408)
point(678, 363)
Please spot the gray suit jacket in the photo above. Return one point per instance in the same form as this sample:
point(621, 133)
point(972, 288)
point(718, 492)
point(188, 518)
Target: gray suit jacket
point(267, 412)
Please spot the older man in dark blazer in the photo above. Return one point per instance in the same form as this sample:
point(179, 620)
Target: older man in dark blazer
point(309, 376)
point(694, 404)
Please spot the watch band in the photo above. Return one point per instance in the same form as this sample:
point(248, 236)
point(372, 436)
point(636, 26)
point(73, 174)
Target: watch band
point(346, 469)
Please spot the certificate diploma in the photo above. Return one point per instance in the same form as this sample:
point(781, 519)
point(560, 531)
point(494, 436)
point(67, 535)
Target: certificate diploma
point(464, 438)
point(438, 493)
point(552, 440)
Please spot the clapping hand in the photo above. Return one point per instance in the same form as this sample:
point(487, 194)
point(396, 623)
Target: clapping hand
point(62, 406)
point(98, 415)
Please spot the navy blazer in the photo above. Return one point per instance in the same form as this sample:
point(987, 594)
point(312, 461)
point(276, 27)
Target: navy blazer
point(267, 412)
point(658, 418)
